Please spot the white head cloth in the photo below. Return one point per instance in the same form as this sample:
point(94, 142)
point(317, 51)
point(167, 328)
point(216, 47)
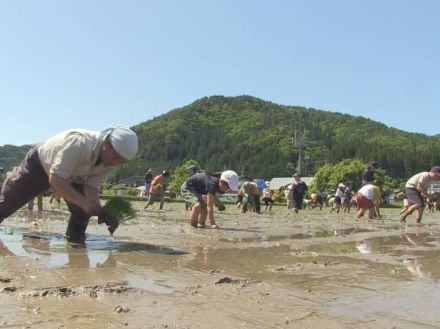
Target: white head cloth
point(123, 139)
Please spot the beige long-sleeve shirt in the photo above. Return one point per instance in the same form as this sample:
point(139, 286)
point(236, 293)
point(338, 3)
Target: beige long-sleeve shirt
point(72, 154)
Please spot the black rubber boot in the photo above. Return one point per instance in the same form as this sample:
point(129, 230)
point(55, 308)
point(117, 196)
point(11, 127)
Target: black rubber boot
point(76, 229)
point(78, 222)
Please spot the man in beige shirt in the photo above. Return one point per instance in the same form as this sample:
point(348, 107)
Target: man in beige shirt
point(416, 190)
point(74, 163)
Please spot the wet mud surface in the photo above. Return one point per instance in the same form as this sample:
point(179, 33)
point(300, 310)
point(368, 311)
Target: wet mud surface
point(275, 270)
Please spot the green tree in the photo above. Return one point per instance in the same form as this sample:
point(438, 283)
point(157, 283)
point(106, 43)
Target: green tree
point(329, 176)
point(180, 175)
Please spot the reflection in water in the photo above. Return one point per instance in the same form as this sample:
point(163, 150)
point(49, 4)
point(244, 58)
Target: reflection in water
point(339, 232)
point(9, 309)
point(52, 249)
point(203, 257)
point(364, 246)
point(417, 248)
point(398, 257)
point(98, 258)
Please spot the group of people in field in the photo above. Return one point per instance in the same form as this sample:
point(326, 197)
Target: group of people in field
point(200, 192)
point(415, 198)
point(367, 199)
point(76, 162)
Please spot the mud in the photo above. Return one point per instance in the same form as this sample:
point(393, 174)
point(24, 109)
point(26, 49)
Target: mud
point(275, 270)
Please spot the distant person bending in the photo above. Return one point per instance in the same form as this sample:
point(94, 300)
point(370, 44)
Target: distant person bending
point(39, 202)
point(267, 197)
point(205, 188)
point(74, 163)
point(157, 189)
point(416, 189)
point(251, 194)
point(368, 199)
point(54, 196)
point(348, 194)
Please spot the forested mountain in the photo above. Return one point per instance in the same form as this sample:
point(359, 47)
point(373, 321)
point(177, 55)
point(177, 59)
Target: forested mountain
point(251, 135)
point(255, 137)
point(11, 155)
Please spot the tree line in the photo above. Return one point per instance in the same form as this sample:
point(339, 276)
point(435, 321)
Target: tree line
point(254, 137)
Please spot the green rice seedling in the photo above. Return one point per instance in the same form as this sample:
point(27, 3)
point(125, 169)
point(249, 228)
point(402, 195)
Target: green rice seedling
point(120, 208)
point(116, 209)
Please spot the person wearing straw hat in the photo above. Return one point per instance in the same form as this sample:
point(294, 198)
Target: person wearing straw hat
point(74, 163)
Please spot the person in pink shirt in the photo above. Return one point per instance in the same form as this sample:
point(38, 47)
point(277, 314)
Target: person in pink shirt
point(267, 197)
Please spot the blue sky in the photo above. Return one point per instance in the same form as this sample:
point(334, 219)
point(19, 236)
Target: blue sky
point(88, 64)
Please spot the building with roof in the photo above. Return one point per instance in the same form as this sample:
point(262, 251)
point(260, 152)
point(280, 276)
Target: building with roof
point(277, 182)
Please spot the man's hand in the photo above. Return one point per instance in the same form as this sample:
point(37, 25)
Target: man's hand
point(92, 208)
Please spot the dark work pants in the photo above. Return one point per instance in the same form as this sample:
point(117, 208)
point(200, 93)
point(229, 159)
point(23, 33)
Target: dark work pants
point(27, 181)
point(24, 183)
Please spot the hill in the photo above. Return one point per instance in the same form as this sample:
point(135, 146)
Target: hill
point(255, 137)
point(11, 156)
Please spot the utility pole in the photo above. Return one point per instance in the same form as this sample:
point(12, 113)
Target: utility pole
point(299, 141)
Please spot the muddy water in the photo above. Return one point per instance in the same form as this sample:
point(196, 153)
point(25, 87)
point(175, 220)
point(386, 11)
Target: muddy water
point(393, 277)
point(99, 257)
point(334, 269)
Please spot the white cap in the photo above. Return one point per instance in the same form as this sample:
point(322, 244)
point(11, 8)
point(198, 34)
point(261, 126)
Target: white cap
point(231, 178)
point(123, 139)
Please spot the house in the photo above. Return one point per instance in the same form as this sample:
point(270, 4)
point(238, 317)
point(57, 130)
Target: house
point(434, 188)
point(278, 182)
point(141, 190)
point(133, 181)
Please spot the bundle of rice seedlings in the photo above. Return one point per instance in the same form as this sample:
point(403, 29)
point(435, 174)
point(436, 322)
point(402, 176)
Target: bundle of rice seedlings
point(116, 209)
point(119, 208)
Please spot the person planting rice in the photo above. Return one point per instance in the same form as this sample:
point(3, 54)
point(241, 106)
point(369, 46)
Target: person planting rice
point(416, 189)
point(205, 188)
point(116, 208)
point(368, 199)
point(74, 163)
point(157, 189)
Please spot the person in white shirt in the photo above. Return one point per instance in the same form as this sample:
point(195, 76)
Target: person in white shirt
point(74, 163)
point(416, 189)
point(368, 198)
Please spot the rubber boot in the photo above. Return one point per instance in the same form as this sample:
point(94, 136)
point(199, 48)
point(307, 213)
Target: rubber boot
point(78, 221)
